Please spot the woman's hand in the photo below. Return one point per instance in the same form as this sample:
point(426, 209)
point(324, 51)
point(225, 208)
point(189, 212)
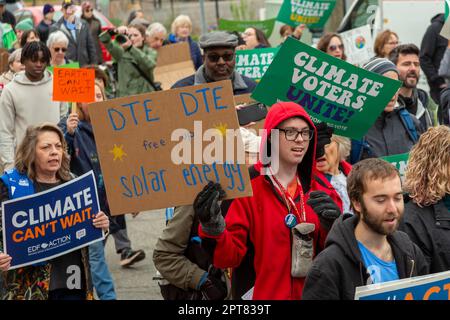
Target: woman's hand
point(299, 31)
point(101, 220)
point(72, 123)
point(122, 30)
point(5, 261)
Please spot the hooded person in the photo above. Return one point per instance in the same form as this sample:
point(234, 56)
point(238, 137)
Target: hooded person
point(284, 215)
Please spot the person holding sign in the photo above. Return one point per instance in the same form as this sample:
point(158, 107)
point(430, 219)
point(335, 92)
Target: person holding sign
point(27, 100)
point(270, 239)
point(395, 130)
point(427, 180)
point(331, 43)
point(366, 248)
point(135, 60)
point(41, 164)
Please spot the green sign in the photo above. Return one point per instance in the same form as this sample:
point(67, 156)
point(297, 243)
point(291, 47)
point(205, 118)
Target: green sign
point(73, 65)
point(447, 8)
point(265, 25)
point(254, 63)
point(346, 97)
point(400, 161)
point(313, 13)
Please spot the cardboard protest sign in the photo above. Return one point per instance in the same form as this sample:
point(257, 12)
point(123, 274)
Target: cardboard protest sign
point(429, 287)
point(158, 150)
point(49, 224)
point(76, 85)
point(313, 13)
point(400, 161)
point(254, 63)
point(265, 25)
point(72, 65)
point(174, 63)
point(346, 97)
point(358, 44)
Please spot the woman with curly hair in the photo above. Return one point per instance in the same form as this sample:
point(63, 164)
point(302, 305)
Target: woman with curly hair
point(427, 214)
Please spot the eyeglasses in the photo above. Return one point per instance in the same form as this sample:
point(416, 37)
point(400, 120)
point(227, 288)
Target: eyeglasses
point(215, 57)
point(393, 43)
point(291, 134)
point(89, 10)
point(334, 48)
point(60, 49)
point(248, 34)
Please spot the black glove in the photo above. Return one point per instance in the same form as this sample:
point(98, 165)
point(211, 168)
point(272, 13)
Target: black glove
point(324, 133)
point(206, 206)
point(213, 288)
point(324, 207)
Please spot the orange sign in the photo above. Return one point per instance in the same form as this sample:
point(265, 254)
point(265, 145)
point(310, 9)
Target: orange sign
point(76, 85)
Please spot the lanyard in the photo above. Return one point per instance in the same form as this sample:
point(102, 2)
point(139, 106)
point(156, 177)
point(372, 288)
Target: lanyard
point(287, 197)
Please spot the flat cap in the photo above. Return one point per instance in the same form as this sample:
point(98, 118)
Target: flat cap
point(218, 39)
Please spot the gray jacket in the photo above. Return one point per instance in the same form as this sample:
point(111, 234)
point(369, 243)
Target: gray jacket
point(81, 48)
point(388, 136)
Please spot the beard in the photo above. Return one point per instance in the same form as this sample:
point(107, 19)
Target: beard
point(376, 224)
point(410, 82)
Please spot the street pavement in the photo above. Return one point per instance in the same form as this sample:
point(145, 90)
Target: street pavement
point(135, 283)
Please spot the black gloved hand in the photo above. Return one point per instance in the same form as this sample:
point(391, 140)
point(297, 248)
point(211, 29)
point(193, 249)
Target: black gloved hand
point(206, 206)
point(213, 289)
point(324, 207)
point(112, 32)
point(324, 133)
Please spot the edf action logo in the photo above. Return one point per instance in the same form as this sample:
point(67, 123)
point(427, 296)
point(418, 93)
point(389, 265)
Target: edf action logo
point(49, 245)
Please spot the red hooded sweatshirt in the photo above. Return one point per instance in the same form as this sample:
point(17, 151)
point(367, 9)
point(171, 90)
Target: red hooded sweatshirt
point(257, 223)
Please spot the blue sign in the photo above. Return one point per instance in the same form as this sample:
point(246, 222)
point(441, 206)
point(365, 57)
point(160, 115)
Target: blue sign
point(49, 224)
point(430, 287)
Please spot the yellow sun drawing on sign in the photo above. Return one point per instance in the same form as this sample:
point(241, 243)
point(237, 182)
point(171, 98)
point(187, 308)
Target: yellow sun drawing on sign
point(118, 152)
point(222, 128)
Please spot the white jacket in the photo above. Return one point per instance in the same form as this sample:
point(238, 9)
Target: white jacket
point(24, 103)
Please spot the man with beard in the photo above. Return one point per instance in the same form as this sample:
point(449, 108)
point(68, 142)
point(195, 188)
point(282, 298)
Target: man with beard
point(416, 101)
point(366, 248)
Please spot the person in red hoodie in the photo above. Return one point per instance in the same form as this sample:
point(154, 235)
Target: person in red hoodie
point(278, 230)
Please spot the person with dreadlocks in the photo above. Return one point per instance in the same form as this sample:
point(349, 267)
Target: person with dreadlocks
point(427, 180)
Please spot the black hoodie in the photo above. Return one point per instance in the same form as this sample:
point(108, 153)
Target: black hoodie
point(339, 269)
point(432, 50)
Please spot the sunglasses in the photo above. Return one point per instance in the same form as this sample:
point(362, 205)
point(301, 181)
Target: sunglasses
point(60, 49)
point(89, 10)
point(334, 48)
point(226, 57)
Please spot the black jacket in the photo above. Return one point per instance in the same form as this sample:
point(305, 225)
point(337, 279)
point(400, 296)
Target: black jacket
point(339, 269)
point(432, 50)
point(444, 110)
point(43, 29)
point(81, 49)
point(429, 228)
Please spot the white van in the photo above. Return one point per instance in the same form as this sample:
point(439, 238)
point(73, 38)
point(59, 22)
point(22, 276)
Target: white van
point(408, 18)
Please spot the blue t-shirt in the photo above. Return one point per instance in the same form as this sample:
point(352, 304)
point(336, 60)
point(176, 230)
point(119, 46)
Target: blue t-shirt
point(379, 270)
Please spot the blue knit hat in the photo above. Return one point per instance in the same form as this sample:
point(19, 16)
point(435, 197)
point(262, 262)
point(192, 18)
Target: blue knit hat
point(48, 8)
point(380, 66)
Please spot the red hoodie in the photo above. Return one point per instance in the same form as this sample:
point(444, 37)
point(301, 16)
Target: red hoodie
point(260, 220)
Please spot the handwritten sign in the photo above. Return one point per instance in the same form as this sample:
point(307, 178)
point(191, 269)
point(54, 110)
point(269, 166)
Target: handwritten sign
point(313, 13)
point(49, 224)
point(76, 85)
point(434, 286)
point(346, 97)
point(254, 63)
point(158, 150)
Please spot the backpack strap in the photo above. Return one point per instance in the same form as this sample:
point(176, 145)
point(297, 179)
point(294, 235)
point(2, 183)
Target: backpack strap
point(409, 125)
point(357, 148)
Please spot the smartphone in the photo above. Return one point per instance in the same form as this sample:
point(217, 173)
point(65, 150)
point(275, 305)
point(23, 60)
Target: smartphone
point(252, 113)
